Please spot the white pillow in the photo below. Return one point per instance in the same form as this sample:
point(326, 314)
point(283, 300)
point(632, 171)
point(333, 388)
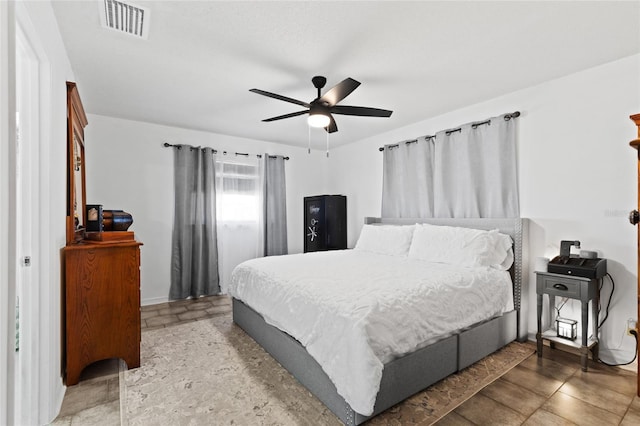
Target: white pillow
point(461, 246)
point(385, 239)
point(504, 243)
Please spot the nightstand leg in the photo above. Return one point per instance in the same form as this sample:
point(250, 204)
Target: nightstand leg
point(584, 350)
point(539, 333)
point(594, 327)
point(552, 318)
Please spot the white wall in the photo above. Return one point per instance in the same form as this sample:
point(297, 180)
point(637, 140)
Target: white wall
point(577, 173)
point(129, 169)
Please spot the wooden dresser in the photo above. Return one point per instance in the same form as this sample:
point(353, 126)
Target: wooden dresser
point(102, 296)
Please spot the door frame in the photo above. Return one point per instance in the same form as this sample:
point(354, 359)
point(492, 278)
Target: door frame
point(8, 258)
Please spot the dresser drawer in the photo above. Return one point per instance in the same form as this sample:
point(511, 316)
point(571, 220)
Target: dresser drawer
point(559, 286)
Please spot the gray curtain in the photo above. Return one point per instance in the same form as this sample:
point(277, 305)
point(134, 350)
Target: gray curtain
point(194, 255)
point(407, 187)
point(470, 171)
point(475, 173)
point(275, 206)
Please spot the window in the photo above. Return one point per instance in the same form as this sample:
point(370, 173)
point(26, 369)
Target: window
point(238, 213)
point(238, 189)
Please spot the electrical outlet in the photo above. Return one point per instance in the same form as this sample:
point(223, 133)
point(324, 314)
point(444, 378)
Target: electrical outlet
point(631, 326)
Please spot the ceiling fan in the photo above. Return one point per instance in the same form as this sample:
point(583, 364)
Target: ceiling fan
point(321, 108)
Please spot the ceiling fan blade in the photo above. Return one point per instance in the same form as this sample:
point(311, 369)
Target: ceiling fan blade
point(332, 127)
point(280, 117)
point(340, 91)
point(280, 97)
point(361, 111)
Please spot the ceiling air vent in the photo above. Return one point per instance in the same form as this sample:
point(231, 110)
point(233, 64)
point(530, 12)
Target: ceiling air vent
point(125, 18)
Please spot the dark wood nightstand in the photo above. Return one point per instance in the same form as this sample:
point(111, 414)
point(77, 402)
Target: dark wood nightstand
point(580, 288)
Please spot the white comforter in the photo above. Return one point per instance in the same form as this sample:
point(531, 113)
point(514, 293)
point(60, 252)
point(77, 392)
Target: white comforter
point(355, 310)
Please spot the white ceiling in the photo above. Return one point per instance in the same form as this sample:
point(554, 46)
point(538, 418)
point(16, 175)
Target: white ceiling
point(419, 59)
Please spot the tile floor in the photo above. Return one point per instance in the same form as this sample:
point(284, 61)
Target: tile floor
point(552, 390)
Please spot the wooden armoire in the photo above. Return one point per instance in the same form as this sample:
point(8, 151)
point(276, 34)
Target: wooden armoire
point(634, 218)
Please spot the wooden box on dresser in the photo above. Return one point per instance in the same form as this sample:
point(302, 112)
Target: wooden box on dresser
point(102, 296)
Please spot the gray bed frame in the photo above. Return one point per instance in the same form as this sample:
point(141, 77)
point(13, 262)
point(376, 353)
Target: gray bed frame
point(405, 376)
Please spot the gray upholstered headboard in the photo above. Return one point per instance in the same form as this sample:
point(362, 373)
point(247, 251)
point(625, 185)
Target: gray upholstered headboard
point(517, 228)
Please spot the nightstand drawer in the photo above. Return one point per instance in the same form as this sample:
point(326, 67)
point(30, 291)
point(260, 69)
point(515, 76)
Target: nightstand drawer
point(558, 286)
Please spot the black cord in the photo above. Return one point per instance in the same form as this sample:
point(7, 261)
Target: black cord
point(564, 302)
point(606, 312)
point(600, 287)
point(635, 335)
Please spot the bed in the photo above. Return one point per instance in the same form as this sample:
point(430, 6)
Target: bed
point(382, 377)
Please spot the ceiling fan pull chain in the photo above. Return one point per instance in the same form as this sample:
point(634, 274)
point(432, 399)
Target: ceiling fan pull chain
point(309, 141)
point(327, 144)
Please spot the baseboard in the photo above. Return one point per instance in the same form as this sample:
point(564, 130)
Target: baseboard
point(122, 367)
point(619, 356)
point(154, 301)
point(56, 400)
point(631, 367)
point(158, 300)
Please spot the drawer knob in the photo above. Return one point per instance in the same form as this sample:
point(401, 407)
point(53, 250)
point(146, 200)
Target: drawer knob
point(634, 217)
point(559, 286)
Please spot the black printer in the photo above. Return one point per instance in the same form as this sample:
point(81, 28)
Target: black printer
point(570, 264)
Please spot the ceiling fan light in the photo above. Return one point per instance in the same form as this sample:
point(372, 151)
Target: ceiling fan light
point(318, 120)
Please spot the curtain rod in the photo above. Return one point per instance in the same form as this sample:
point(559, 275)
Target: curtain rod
point(244, 154)
point(507, 117)
point(167, 145)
